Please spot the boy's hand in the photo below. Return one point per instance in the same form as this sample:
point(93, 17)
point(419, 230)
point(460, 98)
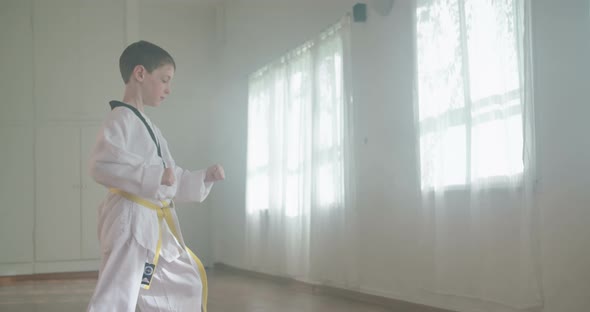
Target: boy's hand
point(214, 173)
point(168, 177)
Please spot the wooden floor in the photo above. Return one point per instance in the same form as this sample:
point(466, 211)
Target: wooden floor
point(229, 291)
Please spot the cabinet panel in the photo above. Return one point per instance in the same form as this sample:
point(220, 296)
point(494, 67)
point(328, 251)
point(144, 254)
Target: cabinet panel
point(16, 60)
point(92, 195)
point(16, 191)
point(57, 217)
point(101, 45)
point(77, 57)
point(57, 58)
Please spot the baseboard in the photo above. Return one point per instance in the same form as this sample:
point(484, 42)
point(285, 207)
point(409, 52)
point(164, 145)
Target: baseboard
point(394, 304)
point(15, 269)
point(66, 266)
point(12, 269)
point(8, 280)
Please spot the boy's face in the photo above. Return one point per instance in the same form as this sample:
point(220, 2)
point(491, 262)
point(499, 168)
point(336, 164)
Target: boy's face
point(155, 86)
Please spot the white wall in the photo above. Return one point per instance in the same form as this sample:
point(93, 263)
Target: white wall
point(16, 137)
point(562, 81)
point(258, 32)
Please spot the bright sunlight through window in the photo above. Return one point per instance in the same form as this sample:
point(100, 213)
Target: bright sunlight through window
point(295, 131)
point(469, 91)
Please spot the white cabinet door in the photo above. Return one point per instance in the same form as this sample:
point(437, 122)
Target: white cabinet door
point(77, 48)
point(57, 59)
point(58, 227)
point(101, 44)
point(16, 192)
point(16, 60)
point(92, 194)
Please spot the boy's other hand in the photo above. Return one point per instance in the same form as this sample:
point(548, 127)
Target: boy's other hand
point(215, 173)
point(168, 177)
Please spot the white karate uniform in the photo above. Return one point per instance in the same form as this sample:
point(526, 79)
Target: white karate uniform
point(125, 157)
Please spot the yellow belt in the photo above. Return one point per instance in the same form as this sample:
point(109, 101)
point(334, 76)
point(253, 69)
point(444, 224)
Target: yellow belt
point(165, 214)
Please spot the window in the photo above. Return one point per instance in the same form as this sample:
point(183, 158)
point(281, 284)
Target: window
point(470, 99)
point(295, 130)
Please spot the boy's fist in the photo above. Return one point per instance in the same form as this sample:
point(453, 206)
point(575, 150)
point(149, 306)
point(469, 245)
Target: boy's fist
point(168, 177)
point(214, 173)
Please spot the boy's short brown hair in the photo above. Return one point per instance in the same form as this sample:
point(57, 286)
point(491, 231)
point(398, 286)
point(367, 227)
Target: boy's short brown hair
point(143, 53)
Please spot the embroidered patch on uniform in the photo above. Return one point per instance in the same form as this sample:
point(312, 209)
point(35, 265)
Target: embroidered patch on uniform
point(148, 272)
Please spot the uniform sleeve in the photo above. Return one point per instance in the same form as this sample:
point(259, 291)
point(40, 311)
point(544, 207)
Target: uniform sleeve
point(191, 186)
point(114, 166)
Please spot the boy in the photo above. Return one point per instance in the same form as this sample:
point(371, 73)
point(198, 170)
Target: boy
point(137, 222)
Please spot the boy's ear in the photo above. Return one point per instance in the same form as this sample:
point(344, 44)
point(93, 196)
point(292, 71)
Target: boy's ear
point(139, 72)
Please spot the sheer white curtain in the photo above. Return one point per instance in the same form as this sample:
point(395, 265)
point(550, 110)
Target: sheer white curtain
point(474, 104)
point(299, 195)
